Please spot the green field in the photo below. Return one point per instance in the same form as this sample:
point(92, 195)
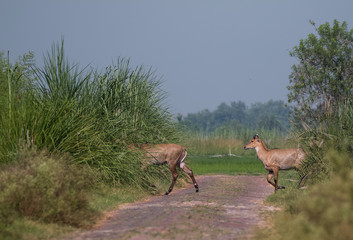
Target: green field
point(226, 165)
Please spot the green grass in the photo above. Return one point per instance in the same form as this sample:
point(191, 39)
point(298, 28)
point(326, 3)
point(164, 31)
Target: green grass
point(283, 197)
point(33, 230)
point(323, 211)
point(226, 165)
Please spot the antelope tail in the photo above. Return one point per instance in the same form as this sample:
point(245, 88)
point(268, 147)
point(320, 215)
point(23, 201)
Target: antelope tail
point(181, 158)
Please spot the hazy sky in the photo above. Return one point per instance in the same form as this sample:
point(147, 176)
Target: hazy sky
point(207, 52)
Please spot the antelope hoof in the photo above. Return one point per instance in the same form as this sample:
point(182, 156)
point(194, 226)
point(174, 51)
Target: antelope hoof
point(279, 187)
point(197, 190)
point(169, 190)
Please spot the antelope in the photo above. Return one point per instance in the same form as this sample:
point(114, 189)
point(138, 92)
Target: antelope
point(172, 154)
point(276, 159)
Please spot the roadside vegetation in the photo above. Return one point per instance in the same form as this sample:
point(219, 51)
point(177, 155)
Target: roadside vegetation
point(65, 132)
point(321, 117)
point(321, 90)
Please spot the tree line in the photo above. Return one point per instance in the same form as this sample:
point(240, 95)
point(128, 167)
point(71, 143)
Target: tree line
point(271, 115)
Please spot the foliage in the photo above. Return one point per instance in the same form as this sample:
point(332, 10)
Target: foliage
point(91, 115)
point(16, 83)
point(45, 188)
point(324, 75)
point(232, 120)
point(88, 118)
point(321, 89)
point(133, 100)
point(334, 133)
point(325, 211)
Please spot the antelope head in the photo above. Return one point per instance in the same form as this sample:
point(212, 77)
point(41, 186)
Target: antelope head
point(253, 143)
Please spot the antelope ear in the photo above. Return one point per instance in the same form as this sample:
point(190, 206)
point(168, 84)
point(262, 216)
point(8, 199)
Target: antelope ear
point(256, 136)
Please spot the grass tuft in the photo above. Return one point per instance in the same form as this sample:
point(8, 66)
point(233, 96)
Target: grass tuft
point(45, 188)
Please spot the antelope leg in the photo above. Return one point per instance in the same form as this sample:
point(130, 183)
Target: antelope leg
point(175, 176)
point(191, 175)
point(275, 172)
point(269, 177)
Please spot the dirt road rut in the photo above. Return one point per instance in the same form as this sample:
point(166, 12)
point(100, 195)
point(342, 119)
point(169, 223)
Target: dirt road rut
point(227, 207)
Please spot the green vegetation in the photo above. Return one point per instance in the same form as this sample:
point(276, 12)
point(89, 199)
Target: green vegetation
point(323, 211)
point(226, 165)
point(237, 120)
point(64, 134)
point(322, 80)
point(91, 115)
point(321, 88)
point(44, 196)
point(40, 187)
point(203, 145)
point(216, 155)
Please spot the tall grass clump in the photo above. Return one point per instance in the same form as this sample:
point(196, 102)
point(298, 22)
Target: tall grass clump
point(16, 89)
point(91, 115)
point(65, 131)
point(132, 100)
point(332, 132)
point(129, 103)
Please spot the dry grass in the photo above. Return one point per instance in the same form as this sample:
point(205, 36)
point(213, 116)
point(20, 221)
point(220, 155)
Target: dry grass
point(214, 146)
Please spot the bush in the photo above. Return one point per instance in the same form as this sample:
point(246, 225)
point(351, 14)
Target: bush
point(333, 133)
point(326, 210)
point(45, 188)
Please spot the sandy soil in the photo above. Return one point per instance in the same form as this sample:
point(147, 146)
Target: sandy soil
point(227, 207)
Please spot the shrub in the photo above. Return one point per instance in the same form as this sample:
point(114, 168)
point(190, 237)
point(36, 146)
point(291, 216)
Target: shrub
point(45, 188)
point(326, 210)
point(333, 133)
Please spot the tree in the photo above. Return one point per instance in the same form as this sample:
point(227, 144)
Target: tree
point(236, 116)
point(323, 78)
point(238, 110)
point(270, 122)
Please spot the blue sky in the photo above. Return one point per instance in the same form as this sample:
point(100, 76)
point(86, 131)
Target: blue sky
point(207, 52)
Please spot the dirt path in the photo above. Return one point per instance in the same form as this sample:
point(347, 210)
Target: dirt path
point(227, 207)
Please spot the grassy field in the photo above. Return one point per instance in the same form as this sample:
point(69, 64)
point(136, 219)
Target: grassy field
point(226, 165)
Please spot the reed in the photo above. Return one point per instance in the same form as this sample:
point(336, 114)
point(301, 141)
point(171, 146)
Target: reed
point(232, 144)
point(91, 115)
point(333, 132)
